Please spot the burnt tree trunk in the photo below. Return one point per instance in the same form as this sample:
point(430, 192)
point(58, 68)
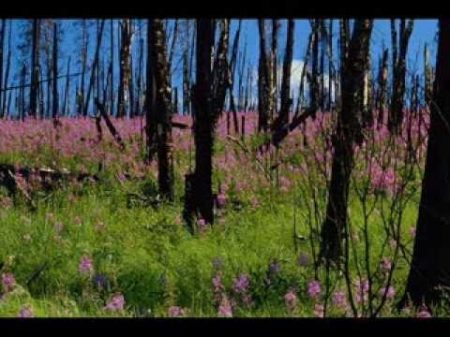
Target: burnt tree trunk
point(343, 141)
point(160, 70)
point(34, 88)
point(2, 49)
point(430, 265)
point(264, 82)
point(84, 51)
point(209, 96)
point(8, 67)
point(286, 100)
point(94, 67)
point(66, 104)
point(399, 72)
point(428, 71)
point(314, 80)
point(125, 68)
point(382, 87)
point(55, 106)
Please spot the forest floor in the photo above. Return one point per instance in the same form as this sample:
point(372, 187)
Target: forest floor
point(107, 246)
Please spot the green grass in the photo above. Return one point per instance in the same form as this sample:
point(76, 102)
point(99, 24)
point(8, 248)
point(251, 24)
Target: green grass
point(148, 255)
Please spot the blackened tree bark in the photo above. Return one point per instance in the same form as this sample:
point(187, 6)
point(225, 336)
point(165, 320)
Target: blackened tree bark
point(66, 104)
point(83, 55)
point(323, 46)
point(399, 72)
point(430, 265)
point(94, 67)
point(234, 53)
point(150, 116)
point(314, 79)
point(330, 64)
point(55, 106)
point(274, 64)
point(186, 72)
point(286, 100)
point(343, 141)
point(2, 48)
point(428, 72)
point(264, 81)
point(209, 96)
point(35, 68)
point(8, 67)
point(160, 74)
point(344, 37)
point(125, 68)
point(382, 87)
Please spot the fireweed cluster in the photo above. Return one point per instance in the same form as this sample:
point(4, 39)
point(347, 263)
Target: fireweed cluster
point(249, 178)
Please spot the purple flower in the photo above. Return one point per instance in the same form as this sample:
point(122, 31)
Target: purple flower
point(25, 312)
point(290, 300)
point(362, 289)
point(175, 311)
point(225, 309)
point(274, 268)
point(241, 284)
point(303, 260)
point(389, 294)
point(221, 200)
point(340, 299)
point(100, 281)
point(314, 289)
point(217, 283)
point(86, 265)
point(116, 303)
point(8, 281)
point(202, 225)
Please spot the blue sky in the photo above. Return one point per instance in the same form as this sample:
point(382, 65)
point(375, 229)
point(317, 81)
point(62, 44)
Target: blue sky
point(424, 32)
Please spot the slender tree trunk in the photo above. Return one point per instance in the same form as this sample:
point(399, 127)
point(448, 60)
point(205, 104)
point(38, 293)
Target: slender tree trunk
point(286, 101)
point(35, 68)
point(2, 48)
point(428, 76)
point(347, 125)
point(8, 66)
point(399, 73)
point(151, 117)
point(66, 104)
point(382, 87)
point(55, 71)
point(94, 66)
point(330, 64)
point(160, 69)
point(303, 75)
point(274, 62)
point(84, 50)
point(344, 37)
point(430, 265)
point(125, 68)
point(209, 97)
point(314, 82)
point(264, 82)
point(203, 122)
point(323, 46)
point(23, 75)
point(111, 67)
point(234, 53)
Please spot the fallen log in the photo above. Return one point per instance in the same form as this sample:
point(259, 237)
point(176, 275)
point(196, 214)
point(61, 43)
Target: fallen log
point(110, 125)
point(9, 175)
